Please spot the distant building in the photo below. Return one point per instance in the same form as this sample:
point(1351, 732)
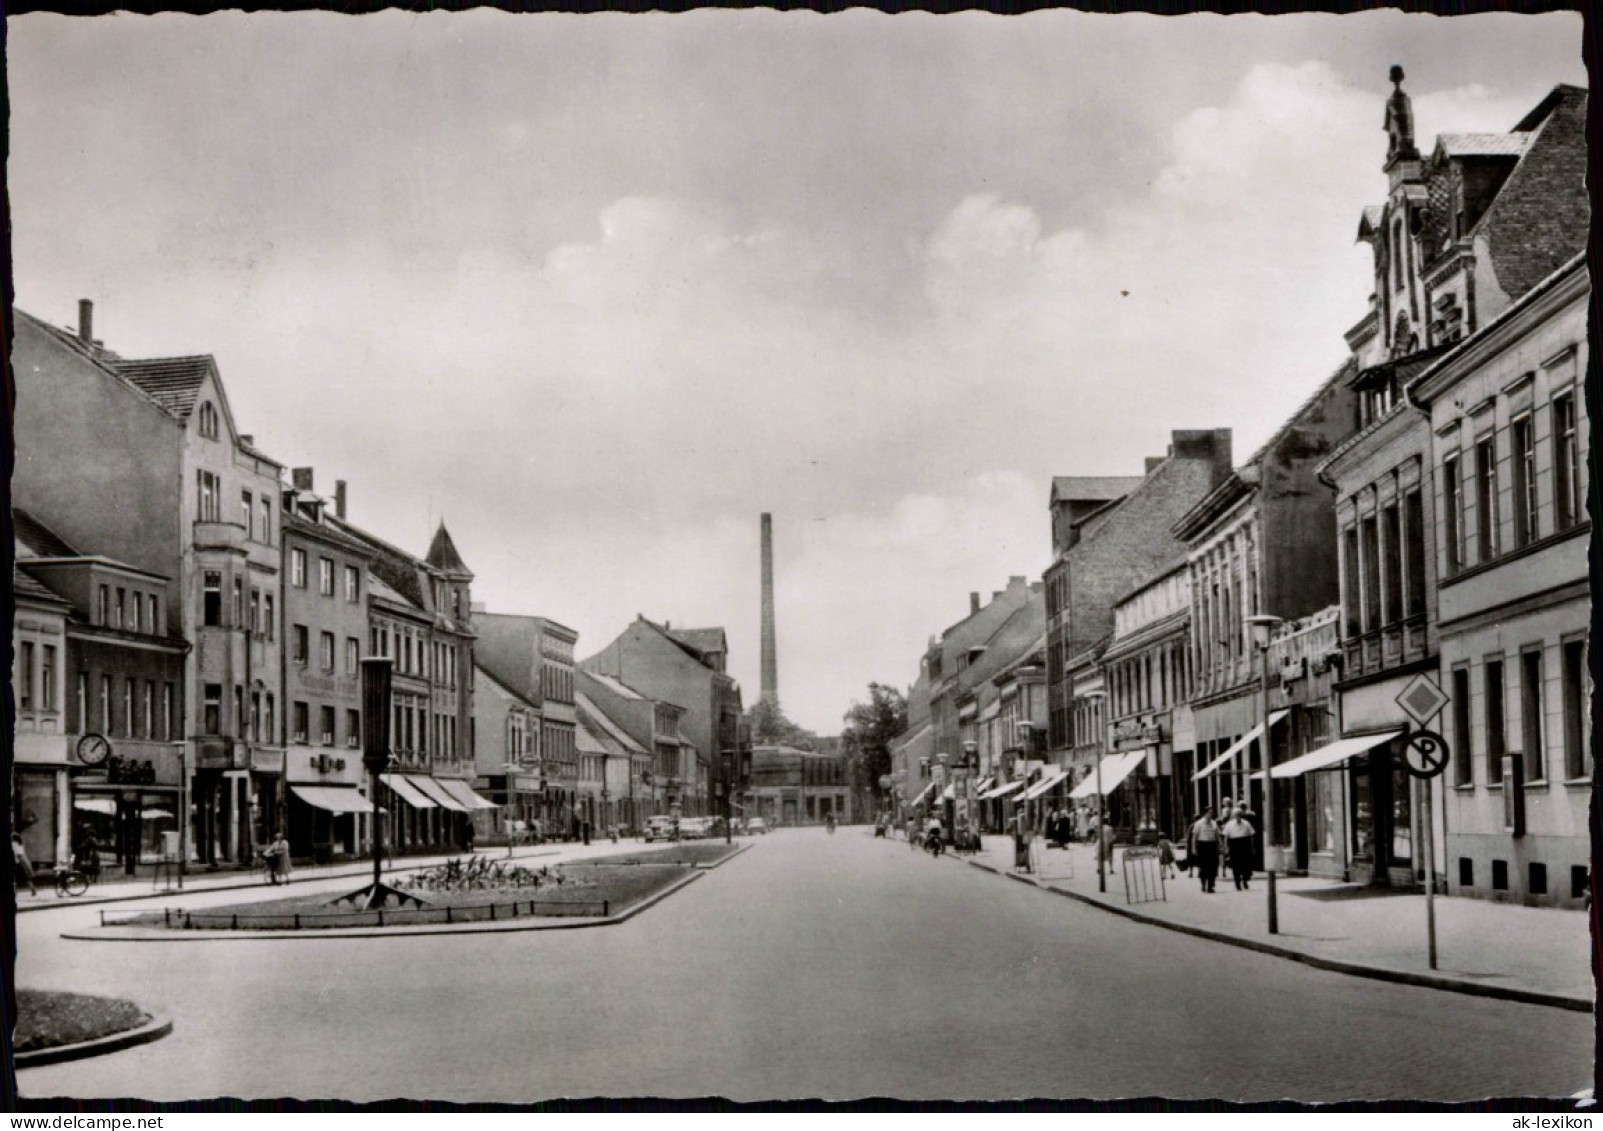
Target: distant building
point(506, 756)
point(798, 787)
point(664, 754)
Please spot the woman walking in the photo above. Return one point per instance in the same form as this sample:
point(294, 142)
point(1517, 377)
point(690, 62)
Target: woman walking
point(1202, 843)
point(1238, 833)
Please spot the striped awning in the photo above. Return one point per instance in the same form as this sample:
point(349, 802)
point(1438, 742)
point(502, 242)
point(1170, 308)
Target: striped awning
point(406, 791)
point(333, 798)
point(1238, 746)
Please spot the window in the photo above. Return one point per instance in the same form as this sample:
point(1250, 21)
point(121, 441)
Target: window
point(129, 719)
point(169, 730)
point(211, 604)
point(1575, 707)
point(47, 678)
point(1486, 498)
point(210, 496)
point(105, 605)
point(300, 646)
point(155, 614)
point(353, 655)
point(353, 584)
point(325, 651)
point(1392, 564)
point(325, 725)
point(239, 603)
point(1567, 496)
point(325, 576)
point(150, 708)
point(1463, 771)
point(266, 512)
point(269, 618)
point(105, 705)
point(1369, 548)
point(1414, 551)
point(82, 704)
point(208, 420)
point(239, 711)
point(256, 716)
point(1531, 715)
point(1453, 514)
point(297, 568)
point(1496, 736)
point(353, 728)
point(299, 722)
point(1522, 441)
point(247, 512)
point(25, 677)
point(269, 717)
point(211, 721)
point(119, 616)
point(255, 611)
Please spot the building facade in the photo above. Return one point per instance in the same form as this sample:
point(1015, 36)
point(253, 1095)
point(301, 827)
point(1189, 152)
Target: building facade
point(534, 656)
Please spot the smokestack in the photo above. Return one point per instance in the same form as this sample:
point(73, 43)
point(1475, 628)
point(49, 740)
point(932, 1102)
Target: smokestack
point(770, 657)
point(973, 602)
point(339, 503)
point(301, 478)
point(86, 322)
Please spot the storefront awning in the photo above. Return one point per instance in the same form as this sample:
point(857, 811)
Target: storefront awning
point(1238, 746)
point(104, 805)
point(1115, 768)
point(983, 786)
point(949, 793)
point(406, 791)
point(1329, 755)
point(437, 793)
point(922, 794)
point(1002, 791)
point(334, 798)
point(463, 792)
point(1046, 783)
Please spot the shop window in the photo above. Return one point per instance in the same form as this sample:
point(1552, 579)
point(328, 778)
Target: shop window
point(1466, 872)
point(1538, 878)
point(1578, 881)
point(1499, 875)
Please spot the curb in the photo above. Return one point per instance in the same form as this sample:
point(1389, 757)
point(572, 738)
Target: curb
point(1378, 973)
point(509, 926)
point(153, 1030)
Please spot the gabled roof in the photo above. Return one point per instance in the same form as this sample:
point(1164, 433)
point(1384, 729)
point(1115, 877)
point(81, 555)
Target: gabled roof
point(614, 684)
point(443, 556)
point(586, 740)
point(172, 382)
point(38, 537)
point(24, 587)
point(1092, 488)
point(599, 718)
point(701, 639)
point(484, 673)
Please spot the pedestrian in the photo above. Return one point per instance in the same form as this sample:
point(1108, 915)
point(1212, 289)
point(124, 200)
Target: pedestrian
point(21, 868)
point(1105, 834)
point(1166, 858)
point(912, 832)
point(1238, 833)
point(1202, 845)
point(277, 855)
point(1021, 841)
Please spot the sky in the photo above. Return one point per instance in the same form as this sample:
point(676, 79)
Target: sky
point(597, 291)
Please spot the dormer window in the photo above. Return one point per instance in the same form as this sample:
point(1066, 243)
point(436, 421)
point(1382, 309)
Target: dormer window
point(208, 420)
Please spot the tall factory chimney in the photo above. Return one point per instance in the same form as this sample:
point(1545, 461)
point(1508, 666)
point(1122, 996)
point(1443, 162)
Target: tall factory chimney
point(770, 687)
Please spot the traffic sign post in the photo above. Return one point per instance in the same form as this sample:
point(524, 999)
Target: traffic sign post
point(1425, 756)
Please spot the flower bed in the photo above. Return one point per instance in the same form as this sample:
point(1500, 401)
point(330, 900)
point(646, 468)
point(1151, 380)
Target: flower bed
point(48, 1019)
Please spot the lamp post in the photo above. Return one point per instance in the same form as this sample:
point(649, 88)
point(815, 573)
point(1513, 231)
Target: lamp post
point(1101, 814)
point(1262, 627)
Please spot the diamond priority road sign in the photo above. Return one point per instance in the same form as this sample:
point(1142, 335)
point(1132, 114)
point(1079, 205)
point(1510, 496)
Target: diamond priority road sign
point(1422, 700)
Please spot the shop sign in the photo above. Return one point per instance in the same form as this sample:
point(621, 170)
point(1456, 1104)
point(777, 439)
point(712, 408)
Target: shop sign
point(526, 783)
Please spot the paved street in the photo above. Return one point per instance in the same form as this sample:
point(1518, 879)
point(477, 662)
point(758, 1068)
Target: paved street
point(811, 965)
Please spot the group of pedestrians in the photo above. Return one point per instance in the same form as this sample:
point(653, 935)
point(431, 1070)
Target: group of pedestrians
point(1230, 835)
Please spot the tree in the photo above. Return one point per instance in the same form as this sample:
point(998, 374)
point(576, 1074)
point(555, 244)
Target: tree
point(870, 729)
point(768, 726)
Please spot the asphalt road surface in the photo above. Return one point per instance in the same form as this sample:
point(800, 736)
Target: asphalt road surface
point(810, 966)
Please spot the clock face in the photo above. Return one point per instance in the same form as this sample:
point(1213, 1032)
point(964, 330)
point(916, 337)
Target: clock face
point(93, 749)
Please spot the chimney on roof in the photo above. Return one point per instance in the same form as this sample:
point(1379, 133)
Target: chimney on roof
point(1212, 445)
point(1016, 579)
point(301, 477)
point(1152, 464)
point(995, 593)
point(86, 322)
point(339, 507)
point(973, 602)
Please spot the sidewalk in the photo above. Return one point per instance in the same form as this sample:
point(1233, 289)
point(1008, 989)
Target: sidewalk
point(1536, 955)
point(120, 888)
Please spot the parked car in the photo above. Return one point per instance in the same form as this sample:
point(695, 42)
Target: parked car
point(756, 825)
point(659, 828)
point(695, 828)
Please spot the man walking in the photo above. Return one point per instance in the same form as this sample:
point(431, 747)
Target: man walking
point(1238, 832)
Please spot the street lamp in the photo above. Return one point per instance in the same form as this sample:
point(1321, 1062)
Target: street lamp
point(1262, 628)
point(1101, 815)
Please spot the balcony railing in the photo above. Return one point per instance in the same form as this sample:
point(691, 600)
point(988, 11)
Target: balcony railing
point(1392, 645)
point(219, 535)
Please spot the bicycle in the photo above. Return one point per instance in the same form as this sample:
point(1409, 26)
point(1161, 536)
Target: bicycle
point(70, 882)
